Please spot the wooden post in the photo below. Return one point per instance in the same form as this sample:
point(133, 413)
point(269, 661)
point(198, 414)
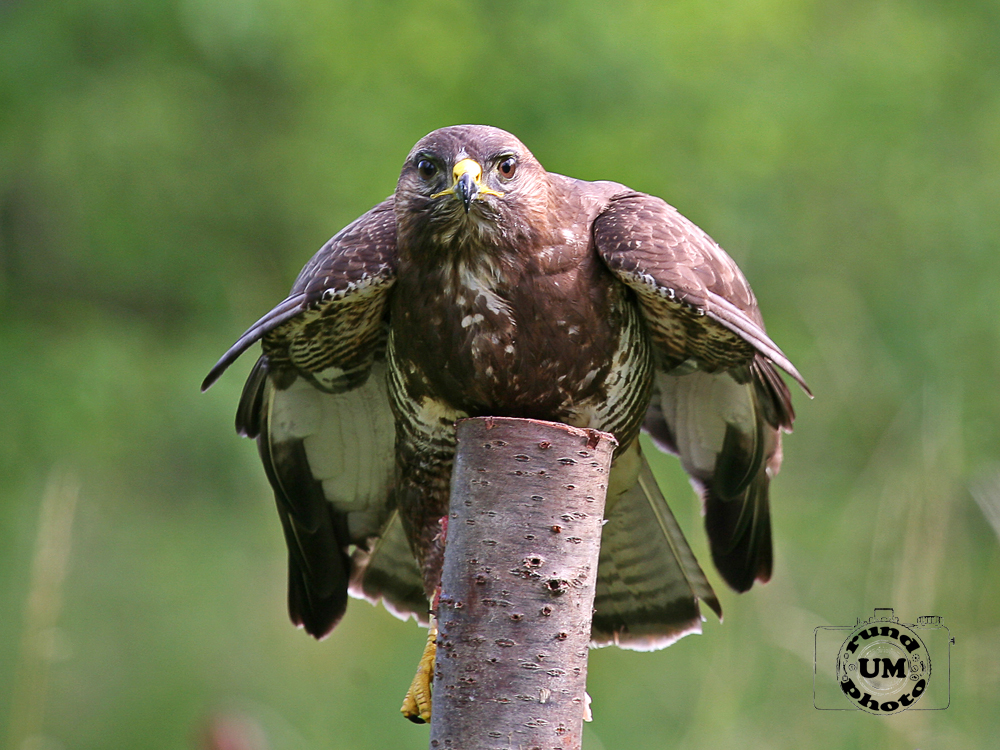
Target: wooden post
point(517, 589)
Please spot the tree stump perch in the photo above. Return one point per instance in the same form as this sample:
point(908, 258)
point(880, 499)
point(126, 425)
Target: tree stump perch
point(517, 588)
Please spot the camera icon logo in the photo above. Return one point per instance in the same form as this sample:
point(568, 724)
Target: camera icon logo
point(883, 666)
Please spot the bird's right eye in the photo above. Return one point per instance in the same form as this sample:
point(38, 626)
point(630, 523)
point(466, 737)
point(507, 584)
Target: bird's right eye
point(426, 168)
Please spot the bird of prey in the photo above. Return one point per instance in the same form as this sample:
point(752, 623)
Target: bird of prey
point(486, 285)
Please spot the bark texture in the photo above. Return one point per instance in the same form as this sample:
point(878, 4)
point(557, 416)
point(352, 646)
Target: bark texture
point(517, 590)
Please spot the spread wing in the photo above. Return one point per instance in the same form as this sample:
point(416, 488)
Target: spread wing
point(718, 401)
point(317, 405)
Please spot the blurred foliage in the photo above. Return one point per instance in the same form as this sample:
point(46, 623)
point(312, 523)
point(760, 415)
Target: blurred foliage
point(167, 166)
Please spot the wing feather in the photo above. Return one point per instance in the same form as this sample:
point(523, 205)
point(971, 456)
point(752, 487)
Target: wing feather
point(316, 536)
point(718, 428)
point(317, 403)
point(697, 301)
point(288, 309)
point(718, 402)
point(335, 308)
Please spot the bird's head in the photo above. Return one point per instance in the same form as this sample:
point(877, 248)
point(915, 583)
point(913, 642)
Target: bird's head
point(470, 185)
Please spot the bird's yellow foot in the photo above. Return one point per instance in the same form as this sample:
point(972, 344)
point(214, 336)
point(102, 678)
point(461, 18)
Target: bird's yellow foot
point(417, 703)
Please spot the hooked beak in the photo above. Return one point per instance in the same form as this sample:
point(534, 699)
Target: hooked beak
point(467, 185)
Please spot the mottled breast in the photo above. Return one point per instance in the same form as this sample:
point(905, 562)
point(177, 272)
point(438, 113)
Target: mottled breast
point(486, 338)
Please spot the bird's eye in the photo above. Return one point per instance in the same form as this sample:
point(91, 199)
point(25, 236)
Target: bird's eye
point(426, 168)
point(507, 167)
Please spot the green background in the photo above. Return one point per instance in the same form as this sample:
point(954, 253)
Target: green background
point(167, 167)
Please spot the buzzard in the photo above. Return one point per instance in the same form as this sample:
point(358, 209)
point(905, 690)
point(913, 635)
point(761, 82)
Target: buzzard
point(486, 285)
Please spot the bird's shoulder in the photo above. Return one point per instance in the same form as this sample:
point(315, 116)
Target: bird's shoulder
point(364, 249)
point(586, 198)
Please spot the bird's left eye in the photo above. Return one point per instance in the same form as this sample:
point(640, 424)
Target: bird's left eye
point(426, 168)
point(507, 167)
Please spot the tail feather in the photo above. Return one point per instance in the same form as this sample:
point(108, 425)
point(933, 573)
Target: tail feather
point(388, 573)
point(648, 582)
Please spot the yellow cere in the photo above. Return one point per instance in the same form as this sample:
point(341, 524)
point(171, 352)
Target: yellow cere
point(471, 167)
point(468, 166)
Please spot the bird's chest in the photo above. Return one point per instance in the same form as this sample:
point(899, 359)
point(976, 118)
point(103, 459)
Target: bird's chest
point(533, 345)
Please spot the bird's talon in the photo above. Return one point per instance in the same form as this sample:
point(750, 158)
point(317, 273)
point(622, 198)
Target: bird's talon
point(417, 703)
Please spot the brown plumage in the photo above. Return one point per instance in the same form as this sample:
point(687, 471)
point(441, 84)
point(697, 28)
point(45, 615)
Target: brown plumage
point(488, 286)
